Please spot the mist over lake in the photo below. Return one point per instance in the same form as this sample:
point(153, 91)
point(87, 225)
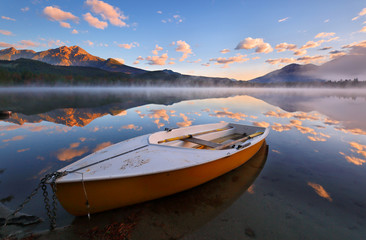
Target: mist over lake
point(307, 184)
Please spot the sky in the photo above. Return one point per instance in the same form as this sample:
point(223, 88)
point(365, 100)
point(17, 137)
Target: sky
point(240, 39)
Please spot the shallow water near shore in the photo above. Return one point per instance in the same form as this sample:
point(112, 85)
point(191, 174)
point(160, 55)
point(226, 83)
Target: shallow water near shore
point(308, 183)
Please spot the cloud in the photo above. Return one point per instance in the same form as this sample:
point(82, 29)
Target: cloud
point(311, 59)
point(28, 43)
point(139, 58)
point(74, 31)
point(65, 25)
point(363, 29)
point(185, 123)
point(66, 154)
point(101, 146)
point(325, 48)
point(16, 138)
point(261, 124)
point(362, 13)
point(95, 22)
point(280, 61)
point(113, 14)
point(159, 114)
point(283, 19)
point(157, 49)
point(120, 60)
point(320, 191)
point(257, 43)
point(223, 51)
point(299, 52)
point(336, 54)
point(5, 32)
point(183, 47)
point(56, 14)
point(128, 45)
point(312, 44)
point(25, 9)
point(131, 127)
point(6, 45)
point(8, 18)
point(278, 127)
point(325, 34)
point(159, 12)
point(88, 42)
point(285, 46)
point(236, 59)
point(157, 60)
point(226, 113)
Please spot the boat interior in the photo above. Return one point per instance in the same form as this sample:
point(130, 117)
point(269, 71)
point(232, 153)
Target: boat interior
point(216, 137)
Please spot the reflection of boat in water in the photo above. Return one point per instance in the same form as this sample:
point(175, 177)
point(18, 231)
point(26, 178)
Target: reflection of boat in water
point(171, 217)
point(155, 165)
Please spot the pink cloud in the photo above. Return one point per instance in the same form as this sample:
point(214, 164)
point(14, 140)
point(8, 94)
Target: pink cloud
point(362, 13)
point(56, 14)
point(128, 45)
point(157, 49)
point(280, 61)
point(183, 47)
point(5, 32)
point(236, 59)
point(157, 60)
point(224, 51)
point(113, 14)
point(257, 43)
point(325, 34)
point(285, 46)
point(94, 22)
point(8, 18)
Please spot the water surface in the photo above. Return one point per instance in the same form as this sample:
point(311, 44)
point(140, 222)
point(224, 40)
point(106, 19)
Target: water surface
point(308, 184)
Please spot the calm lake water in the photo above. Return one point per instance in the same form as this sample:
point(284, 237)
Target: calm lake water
point(309, 183)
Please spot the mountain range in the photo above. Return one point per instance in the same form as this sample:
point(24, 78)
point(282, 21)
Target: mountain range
point(69, 62)
point(69, 56)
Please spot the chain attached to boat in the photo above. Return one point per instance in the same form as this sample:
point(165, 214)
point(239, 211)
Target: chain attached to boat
point(51, 213)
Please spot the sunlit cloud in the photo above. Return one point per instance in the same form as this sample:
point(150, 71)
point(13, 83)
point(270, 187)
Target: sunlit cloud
point(183, 47)
point(336, 54)
point(74, 31)
point(278, 114)
point(285, 47)
point(224, 51)
point(101, 146)
point(157, 60)
point(324, 35)
point(306, 116)
point(186, 122)
point(355, 131)
point(131, 127)
point(15, 138)
point(319, 189)
point(159, 114)
point(66, 154)
point(226, 61)
point(6, 32)
point(311, 59)
point(25, 9)
point(58, 15)
point(157, 49)
point(305, 130)
point(283, 19)
point(158, 123)
point(128, 45)
point(280, 61)
point(362, 13)
point(317, 139)
point(113, 14)
point(352, 159)
point(8, 18)
point(23, 150)
point(278, 127)
point(251, 189)
point(261, 124)
point(94, 22)
point(357, 145)
point(226, 113)
point(363, 29)
point(258, 44)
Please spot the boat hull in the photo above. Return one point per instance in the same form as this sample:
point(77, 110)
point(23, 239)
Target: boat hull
point(84, 197)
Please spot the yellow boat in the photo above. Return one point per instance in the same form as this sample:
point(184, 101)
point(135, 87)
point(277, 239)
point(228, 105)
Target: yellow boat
point(155, 165)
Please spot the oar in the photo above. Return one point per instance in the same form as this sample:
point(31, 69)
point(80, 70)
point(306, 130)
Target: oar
point(238, 140)
point(190, 135)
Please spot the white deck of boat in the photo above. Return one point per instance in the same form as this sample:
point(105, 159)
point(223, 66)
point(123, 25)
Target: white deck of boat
point(147, 159)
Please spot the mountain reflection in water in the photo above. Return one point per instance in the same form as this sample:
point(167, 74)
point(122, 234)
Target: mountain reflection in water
point(312, 181)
